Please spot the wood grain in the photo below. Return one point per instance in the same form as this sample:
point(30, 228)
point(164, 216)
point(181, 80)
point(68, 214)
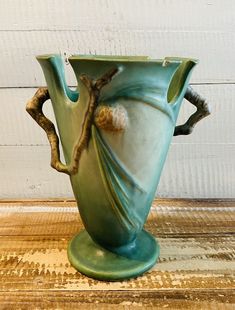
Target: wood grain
point(195, 269)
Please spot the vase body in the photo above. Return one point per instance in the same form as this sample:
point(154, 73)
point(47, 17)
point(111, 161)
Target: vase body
point(120, 168)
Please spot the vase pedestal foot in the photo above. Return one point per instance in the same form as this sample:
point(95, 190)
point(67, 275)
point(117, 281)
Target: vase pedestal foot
point(125, 262)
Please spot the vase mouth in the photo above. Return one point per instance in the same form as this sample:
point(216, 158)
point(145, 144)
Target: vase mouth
point(121, 58)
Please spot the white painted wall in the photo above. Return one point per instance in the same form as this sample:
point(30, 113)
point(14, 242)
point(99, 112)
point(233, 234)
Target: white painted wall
point(201, 165)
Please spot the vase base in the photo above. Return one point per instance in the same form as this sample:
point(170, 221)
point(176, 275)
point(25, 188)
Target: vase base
point(94, 261)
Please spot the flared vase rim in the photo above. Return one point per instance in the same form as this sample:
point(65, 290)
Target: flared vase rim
point(121, 58)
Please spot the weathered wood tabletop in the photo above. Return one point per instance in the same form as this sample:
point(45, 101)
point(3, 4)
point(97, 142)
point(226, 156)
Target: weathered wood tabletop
point(195, 269)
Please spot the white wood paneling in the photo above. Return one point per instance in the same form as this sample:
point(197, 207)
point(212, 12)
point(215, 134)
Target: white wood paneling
point(18, 128)
point(200, 29)
point(199, 165)
point(127, 15)
point(19, 67)
point(26, 172)
point(191, 170)
point(199, 170)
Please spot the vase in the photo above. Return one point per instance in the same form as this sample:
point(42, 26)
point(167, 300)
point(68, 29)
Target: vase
point(115, 130)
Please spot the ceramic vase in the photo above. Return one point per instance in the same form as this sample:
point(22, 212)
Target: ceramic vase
point(115, 130)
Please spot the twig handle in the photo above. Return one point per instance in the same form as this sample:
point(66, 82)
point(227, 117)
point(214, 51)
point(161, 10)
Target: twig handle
point(34, 108)
point(202, 111)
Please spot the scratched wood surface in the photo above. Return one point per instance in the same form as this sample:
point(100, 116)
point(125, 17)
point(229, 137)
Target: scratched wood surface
point(195, 269)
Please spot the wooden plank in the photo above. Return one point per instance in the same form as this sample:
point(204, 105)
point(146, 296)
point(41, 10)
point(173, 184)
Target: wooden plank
point(198, 171)
point(20, 69)
point(17, 127)
point(90, 300)
point(26, 173)
point(190, 217)
point(109, 14)
point(190, 171)
point(48, 203)
point(163, 203)
point(195, 269)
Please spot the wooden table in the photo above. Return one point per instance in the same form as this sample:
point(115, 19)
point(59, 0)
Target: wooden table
point(195, 269)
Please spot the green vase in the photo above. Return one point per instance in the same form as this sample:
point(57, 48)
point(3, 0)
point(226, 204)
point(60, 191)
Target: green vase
point(115, 131)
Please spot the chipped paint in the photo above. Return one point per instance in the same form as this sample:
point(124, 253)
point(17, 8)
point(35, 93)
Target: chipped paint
point(33, 257)
point(52, 260)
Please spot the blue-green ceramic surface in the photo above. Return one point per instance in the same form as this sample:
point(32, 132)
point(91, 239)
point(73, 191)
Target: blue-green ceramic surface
point(119, 170)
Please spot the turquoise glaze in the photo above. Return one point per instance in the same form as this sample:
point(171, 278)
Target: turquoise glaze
point(119, 170)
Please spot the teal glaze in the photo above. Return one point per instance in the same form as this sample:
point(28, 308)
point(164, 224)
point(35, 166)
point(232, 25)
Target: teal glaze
point(119, 171)
point(113, 264)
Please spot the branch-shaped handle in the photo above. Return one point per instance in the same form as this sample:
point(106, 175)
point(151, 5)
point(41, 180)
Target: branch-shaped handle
point(202, 111)
point(34, 108)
